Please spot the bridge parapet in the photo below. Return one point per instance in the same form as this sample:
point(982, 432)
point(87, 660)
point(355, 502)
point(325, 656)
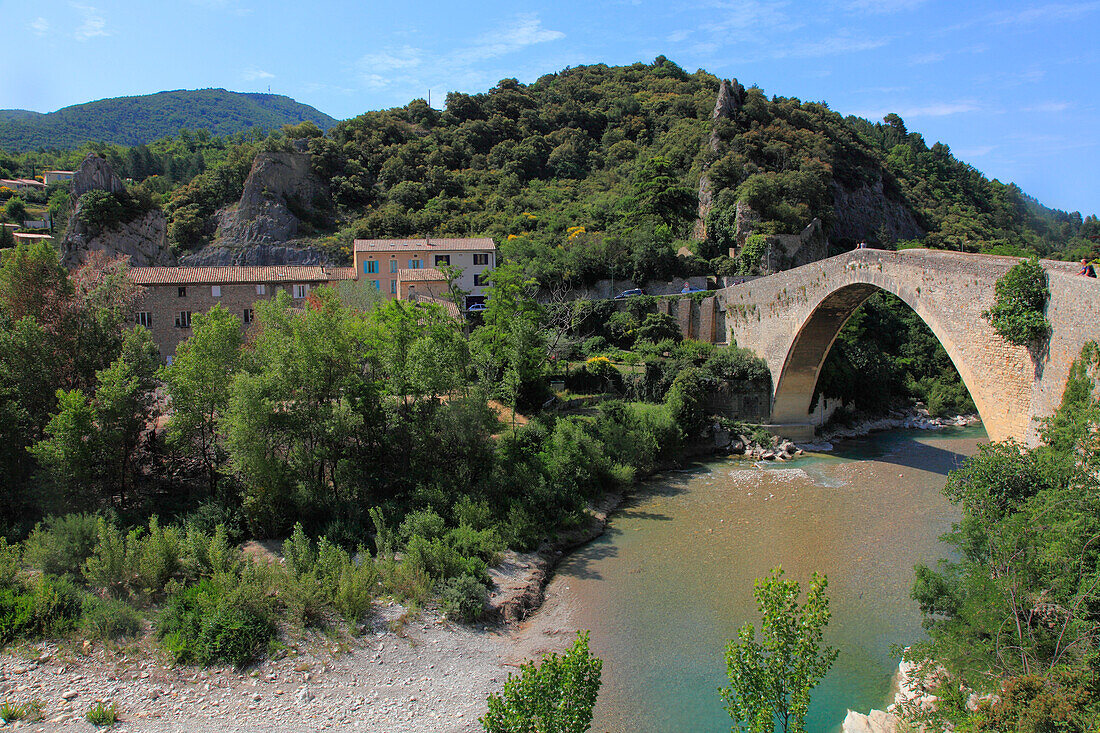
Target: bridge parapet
point(792, 318)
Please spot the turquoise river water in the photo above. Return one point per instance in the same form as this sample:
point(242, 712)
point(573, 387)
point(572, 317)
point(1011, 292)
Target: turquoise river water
point(671, 580)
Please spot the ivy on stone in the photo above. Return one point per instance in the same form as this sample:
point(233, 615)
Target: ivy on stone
point(1018, 309)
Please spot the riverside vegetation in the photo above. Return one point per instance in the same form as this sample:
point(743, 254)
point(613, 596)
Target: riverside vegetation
point(365, 434)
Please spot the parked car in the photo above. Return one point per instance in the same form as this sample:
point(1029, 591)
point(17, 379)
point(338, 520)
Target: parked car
point(477, 308)
point(629, 293)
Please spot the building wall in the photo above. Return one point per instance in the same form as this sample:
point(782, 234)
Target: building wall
point(387, 279)
point(163, 303)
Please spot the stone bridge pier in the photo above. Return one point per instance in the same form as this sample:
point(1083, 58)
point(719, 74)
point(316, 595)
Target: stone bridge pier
point(792, 318)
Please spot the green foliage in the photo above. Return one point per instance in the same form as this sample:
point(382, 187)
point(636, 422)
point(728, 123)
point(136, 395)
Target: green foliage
point(556, 696)
point(657, 327)
point(1011, 611)
point(135, 120)
point(1018, 312)
point(102, 714)
point(770, 680)
point(61, 544)
point(463, 598)
point(109, 620)
point(206, 624)
point(15, 210)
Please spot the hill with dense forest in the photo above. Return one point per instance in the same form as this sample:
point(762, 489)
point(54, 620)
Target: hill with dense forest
point(142, 119)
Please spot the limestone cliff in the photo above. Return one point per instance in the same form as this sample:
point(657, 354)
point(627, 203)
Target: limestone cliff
point(280, 188)
point(730, 97)
point(258, 254)
point(143, 238)
point(869, 213)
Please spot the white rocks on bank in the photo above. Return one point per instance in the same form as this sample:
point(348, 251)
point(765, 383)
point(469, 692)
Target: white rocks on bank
point(911, 697)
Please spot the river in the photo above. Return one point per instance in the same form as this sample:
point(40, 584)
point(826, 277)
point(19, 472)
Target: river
point(671, 579)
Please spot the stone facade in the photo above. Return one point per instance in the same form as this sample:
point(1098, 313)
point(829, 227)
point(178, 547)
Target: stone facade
point(792, 318)
point(172, 296)
point(380, 260)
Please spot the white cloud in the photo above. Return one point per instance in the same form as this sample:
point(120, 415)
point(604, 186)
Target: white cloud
point(40, 26)
point(1048, 107)
point(933, 109)
point(408, 67)
point(94, 24)
point(677, 36)
point(976, 152)
point(254, 74)
point(525, 31)
point(928, 58)
point(879, 7)
point(828, 47)
point(1053, 11)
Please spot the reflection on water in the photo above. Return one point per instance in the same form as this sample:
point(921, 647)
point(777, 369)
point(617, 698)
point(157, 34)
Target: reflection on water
point(671, 580)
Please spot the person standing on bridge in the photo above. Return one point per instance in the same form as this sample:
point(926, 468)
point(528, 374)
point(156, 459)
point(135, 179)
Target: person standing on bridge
point(1087, 269)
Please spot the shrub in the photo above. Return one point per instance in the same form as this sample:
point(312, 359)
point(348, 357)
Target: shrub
point(12, 712)
point(356, 587)
point(203, 624)
point(593, 345)
point(9, 564)
point(621, 326)
point(109, 619)
point(57, 606)
point(16, 614)
point(139, 563)
point(463, 598)
point(1018, 309)
point(61, 545)
point(657, 327)
point(441, 560)
point(685, 400)
point(426, 524)
point(102, 715)
point(735, 364)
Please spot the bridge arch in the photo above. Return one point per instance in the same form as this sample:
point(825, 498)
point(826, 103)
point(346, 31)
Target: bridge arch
point(801, 370)
point(792, 319)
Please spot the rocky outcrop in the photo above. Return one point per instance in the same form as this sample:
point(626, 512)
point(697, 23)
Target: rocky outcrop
point(94, 173)
point(143, 239)
point(794, 250)
point(868, 213)
point(280, 187)
point(730, 97)
point(258, 254)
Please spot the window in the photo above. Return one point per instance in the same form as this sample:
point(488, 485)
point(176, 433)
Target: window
point(144, 318)
point(481, 259)
point(248, 317)
point(377, 284)
point(415, 264)
point(182, 291)
point(261, 290)
point(301, 291)
point(216, 291)
point(479, 280)
point(393, 287)
point(393, 266)
point(183, 319)
point(370, 267)
point(442, 260)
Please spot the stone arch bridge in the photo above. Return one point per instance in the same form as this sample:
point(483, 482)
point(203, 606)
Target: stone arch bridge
point(792, 318)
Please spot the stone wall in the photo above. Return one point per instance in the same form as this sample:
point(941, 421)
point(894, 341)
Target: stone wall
point(791, 319)
point(164, 302)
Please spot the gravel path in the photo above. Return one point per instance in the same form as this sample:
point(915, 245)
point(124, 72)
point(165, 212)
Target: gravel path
point(430, 675)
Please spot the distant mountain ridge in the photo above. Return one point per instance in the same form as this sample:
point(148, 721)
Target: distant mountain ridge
point(142, 119)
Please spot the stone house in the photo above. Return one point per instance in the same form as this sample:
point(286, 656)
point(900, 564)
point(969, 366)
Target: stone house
point(49, 177)
point(380, 261)
point(404, 268)
point(172, 295)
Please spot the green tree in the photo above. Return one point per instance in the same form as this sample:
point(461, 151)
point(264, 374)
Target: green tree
point(198, 382)
point(15, 210)
point(556, 696)
point(770, 680)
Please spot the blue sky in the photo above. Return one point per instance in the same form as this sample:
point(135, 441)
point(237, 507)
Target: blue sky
point(1012, 87)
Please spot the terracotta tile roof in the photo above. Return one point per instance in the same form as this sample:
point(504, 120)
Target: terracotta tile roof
point(420, 275)
point(447, 305)
point(238, 274)
point(441, 244)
